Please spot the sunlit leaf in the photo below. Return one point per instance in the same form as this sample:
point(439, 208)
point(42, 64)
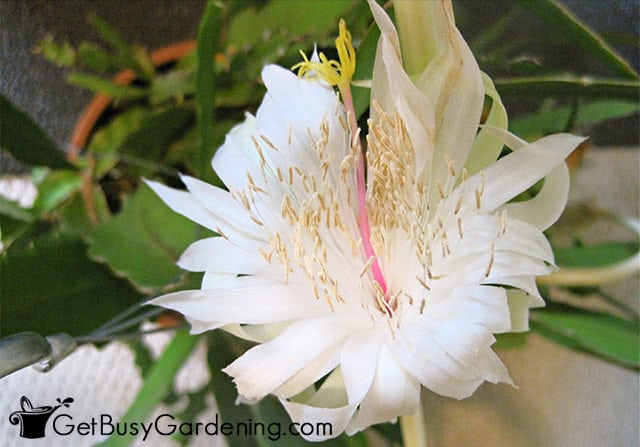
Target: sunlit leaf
point(14, 220)
point(12, 209)
point(57, 187)
point(143, 242)
point(253, 25)
point(511, 340)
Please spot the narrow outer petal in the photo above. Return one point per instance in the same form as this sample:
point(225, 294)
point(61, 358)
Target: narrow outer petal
point(507, 178)
point(442, 65)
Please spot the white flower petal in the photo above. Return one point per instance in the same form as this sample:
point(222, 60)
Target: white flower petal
point(469, 345)
point(311, 373)
point(394, 91)
point(487, 146)
point(526, 283)
point(325, 410)
point(218, 255)
point(359, 355)
point(233, 218)
point(303, 104)
point(507, 177)
point(206, 205)
point(519, 237)
point(184, 203)
point(547, 206)
point(519, 304)
point(265, 367)
point(483, 305)
point(246, 303)
point(211, 280)
point(432, 365)
point(392, 385)
point(452, 81)
point(237, 155)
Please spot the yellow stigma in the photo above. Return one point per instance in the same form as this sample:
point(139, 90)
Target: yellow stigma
point(337, 73)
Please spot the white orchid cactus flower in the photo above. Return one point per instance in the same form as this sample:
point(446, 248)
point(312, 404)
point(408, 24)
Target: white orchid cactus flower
point(377, 274)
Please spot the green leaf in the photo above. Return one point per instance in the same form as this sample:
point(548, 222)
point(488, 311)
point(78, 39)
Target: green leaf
point(568, 86)
point(545, 122)
point(12, 209)
point(61, 54)
point(14, 220)
point(107, 141)
point(511, 340)
point(222, 350)
point(26, 141)
point(142, 354)
point(109, 34)
point(183, 153)
point(595, 255)
point(156, 385)
point(365, 57)
point(53, 287)
point(391, 432)
point(73, 218)
point(563, 21)
point(317, 18)
point(173, 85)
point(56, 187)
point(130, 56)
point(144, 241)
point(156, 132)
point(95, 58)
point(100, 85)
point(207, 44)
point(606, 336)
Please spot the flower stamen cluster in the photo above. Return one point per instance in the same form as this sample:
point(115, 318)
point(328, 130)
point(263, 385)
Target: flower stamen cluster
point(339, 74)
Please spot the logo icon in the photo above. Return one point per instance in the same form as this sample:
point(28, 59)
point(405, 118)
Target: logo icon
point(33, 421)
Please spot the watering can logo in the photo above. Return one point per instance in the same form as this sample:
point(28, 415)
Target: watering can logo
point(33, 420)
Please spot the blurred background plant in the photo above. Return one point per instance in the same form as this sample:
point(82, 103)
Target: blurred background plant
point(96, 242)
